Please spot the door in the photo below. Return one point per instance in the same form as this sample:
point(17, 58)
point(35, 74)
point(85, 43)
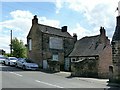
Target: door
point(67, 64)
point(45, 64)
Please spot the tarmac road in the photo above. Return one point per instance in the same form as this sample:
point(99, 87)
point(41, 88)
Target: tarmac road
point(17, 78)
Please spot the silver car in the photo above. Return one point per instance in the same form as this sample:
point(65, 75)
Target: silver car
point(11, 61)
point(26, 64)
point(2, 59)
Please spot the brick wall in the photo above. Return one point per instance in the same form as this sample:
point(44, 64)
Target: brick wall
point(105, 60)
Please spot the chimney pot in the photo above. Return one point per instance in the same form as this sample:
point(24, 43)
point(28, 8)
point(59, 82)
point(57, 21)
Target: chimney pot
point(64, 29)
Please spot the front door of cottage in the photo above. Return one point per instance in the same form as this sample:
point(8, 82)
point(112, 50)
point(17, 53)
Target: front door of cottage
point(67, 64)
point(45, 64)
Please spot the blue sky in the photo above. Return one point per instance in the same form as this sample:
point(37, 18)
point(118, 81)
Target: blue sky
point(83, 17)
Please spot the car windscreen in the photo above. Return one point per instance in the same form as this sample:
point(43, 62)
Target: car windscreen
point(28, 61)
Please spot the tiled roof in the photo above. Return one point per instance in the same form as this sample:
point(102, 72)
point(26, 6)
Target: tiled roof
point(54, 31)
point(87, 46)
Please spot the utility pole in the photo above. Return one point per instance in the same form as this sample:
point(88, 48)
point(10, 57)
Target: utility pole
point(11, 42)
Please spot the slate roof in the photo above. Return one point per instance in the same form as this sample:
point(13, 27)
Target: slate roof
point(54, 31)
point(87, 46)
point(116, 36)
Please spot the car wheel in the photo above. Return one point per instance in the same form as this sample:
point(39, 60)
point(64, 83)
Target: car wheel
point(16, 65)
point(24, 68)
point(4, 62)
point(9, 63)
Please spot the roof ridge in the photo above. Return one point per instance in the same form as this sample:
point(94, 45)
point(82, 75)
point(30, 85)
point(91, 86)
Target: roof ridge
point(49, 26)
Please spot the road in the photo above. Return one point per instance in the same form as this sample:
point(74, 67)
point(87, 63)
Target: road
point(17, 78)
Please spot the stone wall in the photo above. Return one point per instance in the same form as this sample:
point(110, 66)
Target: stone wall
point(68, 44)
point(41, 49)
point(115, 69)
point(43, 46)
point(85, 68)
point(36, 36)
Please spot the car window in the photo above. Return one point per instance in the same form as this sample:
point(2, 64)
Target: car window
point(20, 58)
point(28, 61)
point(2, 57)
point(13, 58)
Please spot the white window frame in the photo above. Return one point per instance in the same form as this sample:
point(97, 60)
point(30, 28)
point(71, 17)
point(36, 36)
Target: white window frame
point(55, 57)
point(30, 44)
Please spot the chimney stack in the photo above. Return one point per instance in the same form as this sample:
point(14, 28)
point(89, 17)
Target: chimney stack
point(64, 29)
point(103, 35)
point(35, 20)
point(75, 37)
point(102, 31)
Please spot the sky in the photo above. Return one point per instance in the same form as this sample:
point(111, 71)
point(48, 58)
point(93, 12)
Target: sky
point(83, 17)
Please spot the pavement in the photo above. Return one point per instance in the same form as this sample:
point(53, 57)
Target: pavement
point(92, 80)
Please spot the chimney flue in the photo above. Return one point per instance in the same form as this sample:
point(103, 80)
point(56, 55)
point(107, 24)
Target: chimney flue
point(35, 20)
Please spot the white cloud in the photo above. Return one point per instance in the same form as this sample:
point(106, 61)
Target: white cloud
point(21, 14)
point(45, 21)
point(58, 4)
point(27, 0)
point(82, 31)
point(97, 12)
point(4, 42)
point(20, 24)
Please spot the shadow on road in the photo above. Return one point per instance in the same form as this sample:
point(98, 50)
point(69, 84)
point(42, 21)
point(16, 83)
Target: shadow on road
point(5, 68)
point(114, 86)
point(48, 71)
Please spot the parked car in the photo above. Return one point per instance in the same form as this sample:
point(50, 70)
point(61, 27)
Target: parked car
point(26, 64)
point(2, 59)
point(11, 61)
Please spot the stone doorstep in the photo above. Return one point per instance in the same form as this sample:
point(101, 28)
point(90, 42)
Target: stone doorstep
point(62, 73)
point(93, 79)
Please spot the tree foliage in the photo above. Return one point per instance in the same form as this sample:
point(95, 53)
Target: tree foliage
point(19, 49)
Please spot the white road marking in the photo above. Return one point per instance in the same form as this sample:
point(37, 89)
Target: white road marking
point(49, 84)
point(16, 74)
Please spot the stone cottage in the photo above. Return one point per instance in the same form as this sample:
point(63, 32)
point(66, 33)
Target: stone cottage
point(49, 46)
point(92, 56)
point(115, 67)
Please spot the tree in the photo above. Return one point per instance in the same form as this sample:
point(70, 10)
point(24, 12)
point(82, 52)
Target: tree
point(19, 49)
